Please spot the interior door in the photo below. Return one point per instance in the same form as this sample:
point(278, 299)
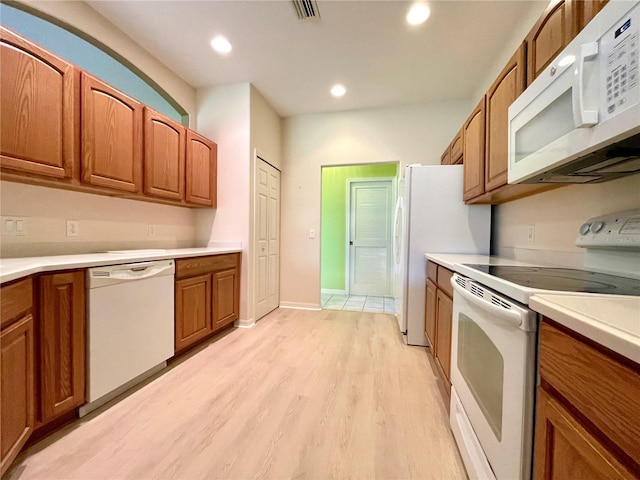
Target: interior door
point(370, 231)
point(267, 228)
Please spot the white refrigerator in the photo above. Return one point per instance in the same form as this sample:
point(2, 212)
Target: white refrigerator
point(431, 217)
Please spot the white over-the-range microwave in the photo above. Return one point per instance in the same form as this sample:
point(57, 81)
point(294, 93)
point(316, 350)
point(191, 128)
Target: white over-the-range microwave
point(579, 121)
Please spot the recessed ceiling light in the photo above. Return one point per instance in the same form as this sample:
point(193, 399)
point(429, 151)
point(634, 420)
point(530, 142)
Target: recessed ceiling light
point(221, 44)
point(338, 90)
point(418, 14)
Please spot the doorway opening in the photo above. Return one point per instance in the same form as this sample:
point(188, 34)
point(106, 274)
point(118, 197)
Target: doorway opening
point(356, 266)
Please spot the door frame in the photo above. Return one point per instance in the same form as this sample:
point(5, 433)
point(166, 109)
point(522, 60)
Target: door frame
point(257, 155)
point(394, 194)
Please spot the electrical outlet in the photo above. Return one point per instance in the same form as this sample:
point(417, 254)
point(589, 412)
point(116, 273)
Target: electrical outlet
point(14, 226)
point(531, 233)
point(73, 228)
point(152, 230)
point(312, 233)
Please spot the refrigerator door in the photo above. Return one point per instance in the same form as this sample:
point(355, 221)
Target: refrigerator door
point(400, 252)
point(437, 221)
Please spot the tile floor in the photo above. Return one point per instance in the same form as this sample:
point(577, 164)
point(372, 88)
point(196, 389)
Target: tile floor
point(358, 303)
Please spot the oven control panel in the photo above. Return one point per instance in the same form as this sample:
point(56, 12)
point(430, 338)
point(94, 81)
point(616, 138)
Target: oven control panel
point(619, 230)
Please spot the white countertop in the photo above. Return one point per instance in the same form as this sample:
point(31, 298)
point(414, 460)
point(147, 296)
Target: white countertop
point(15, 268)
point(610, 320)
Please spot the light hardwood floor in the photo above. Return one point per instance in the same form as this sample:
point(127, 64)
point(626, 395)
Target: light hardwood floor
point(303, 394)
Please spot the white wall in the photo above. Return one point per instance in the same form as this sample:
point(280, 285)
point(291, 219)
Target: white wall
point(556, 216)
point(105, 222)
point(408, 134)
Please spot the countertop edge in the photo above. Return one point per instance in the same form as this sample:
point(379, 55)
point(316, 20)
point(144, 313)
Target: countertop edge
point(601, 333)
point(17, 268)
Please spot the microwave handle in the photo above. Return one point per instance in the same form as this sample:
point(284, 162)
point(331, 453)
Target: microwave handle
point(583, 118)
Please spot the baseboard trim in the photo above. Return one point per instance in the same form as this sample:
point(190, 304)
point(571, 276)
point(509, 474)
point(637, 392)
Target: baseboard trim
point(301, 306)
point(242, 323)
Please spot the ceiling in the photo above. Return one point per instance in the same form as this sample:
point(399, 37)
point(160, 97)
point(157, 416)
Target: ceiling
point(366, 45)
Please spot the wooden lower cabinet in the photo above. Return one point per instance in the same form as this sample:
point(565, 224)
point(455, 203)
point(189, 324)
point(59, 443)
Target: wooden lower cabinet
point(444, 308)
point(17, 370)
point(193, 310)
point(207, 297)
point(438, 319)
point(587, 409)
point(61, 336)
point(566, 450)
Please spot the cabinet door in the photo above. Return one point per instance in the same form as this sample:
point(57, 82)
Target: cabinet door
point(111, 137)
point(62, 343)
point(473, 146)
point(226, 298)
point(444, 312)
point(445, 159)
point(193, 310)
point(201, 171)
point(17, 392)
point(39, 107)
point(584, 11)
point(565, 449)
point(507, 87)
point(164, 153)
point(551, 33)
point(456, 149)
point(430, 316)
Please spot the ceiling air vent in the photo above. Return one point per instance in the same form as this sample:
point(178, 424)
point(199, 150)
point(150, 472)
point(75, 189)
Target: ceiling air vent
point(306, 9)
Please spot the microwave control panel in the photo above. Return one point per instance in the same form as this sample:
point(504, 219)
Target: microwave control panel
point(620, 50)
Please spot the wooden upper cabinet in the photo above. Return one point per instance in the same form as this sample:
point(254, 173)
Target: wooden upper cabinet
point(584, 11)
point(551, 33)
point(111, 137)
point(507, 87)
point(61, 343)
point(164, 156)
point(456, 149)
point(201, 168)
point(39, 107)
point(445, 159)
point(474, 152)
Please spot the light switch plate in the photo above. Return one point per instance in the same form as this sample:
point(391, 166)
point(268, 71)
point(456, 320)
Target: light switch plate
point(14, 226)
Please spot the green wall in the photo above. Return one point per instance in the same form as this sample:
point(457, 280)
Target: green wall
point(334, 217)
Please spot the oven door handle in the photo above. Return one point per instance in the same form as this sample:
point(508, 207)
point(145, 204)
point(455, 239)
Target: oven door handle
point(511, 317)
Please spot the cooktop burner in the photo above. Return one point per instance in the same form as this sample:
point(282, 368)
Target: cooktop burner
point(563, 279)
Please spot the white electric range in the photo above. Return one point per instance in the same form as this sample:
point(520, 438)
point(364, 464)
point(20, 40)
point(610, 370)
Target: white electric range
point(494, 340)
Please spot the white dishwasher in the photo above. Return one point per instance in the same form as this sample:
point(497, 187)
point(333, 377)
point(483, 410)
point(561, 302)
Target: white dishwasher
point(130, 326)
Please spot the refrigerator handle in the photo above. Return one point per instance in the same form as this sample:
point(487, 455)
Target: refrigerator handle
point(396, 227)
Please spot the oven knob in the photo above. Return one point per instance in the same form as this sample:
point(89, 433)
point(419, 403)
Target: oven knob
point(597, 226)
point(584, 228)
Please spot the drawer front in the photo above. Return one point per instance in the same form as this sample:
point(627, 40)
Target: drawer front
point(17, 298)
point(432, 271)
point(444, 280)
point(604, 390)
point(190, 267)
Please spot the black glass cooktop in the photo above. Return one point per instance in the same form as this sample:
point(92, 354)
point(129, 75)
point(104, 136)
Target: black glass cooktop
point(563, 279)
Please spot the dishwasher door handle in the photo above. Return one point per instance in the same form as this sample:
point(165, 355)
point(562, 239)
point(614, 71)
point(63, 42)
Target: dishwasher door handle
point(137, 273)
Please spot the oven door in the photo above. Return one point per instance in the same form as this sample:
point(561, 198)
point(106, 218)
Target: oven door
point(492, 373)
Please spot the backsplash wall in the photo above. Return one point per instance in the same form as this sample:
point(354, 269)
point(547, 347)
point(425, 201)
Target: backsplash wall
point(105, 223)
point(556, 216)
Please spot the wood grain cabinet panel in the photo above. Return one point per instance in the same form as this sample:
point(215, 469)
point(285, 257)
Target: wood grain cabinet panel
point(226, 301)
point(39, 107)
point(566, 450)
point(430, 315)
point(193, 310)
point(553, 31)
point(61, 343)
point(474, 152)
point(445, 159)
point(201, 170)
point(506, 88)
point(456, 149)
point(584, 11)
point(17, 388)
point(164, 156)
point(111, 137)
point(443, 337)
